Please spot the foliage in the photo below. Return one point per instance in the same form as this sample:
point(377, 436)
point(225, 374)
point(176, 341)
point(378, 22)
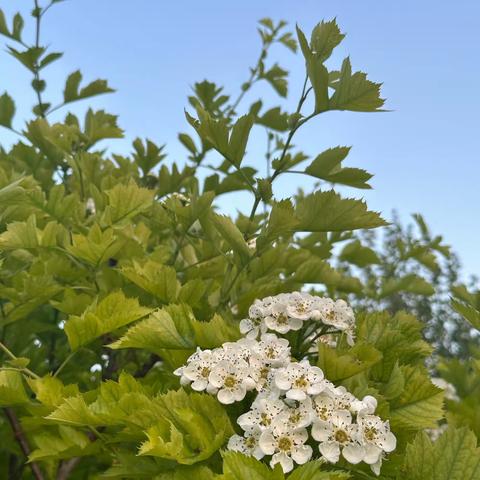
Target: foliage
point(115, 268)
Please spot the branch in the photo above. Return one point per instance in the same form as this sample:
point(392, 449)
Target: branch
point(66, 468)
point(22, 441)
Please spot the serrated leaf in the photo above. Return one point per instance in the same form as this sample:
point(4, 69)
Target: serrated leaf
point(471, 314)
point(12, 390)
point(159, 280)
point(328, 167)
point(193, 427)
point(411, 283)
point(237, 466)
point(325, 37)
point(125, 202)
point(454, 456)
point(339, 366)
point(101, 125)
point(112, 312)
point(355, 92)
point(420, 405)
point(74, 411)
point(232, 235)
point(328, 212)
point(72, 92)
point(355, 253)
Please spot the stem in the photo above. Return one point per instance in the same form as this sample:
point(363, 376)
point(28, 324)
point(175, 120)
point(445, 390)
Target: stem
point(66, 467)
point(64, 363)
point(22, 441)
point(38, 17)
point(14, 357)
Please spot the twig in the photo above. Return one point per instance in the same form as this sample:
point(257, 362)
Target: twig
point(66, 468)
point(22, 441)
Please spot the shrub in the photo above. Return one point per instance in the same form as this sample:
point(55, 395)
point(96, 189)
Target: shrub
point(120, 279)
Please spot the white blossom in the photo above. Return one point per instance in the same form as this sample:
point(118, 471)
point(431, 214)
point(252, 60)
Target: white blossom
point(231, 379)
point(376, 437)
point(248, 444)
point(338, 435)
point(300, 379)
point(285, 445)
point(262, 414)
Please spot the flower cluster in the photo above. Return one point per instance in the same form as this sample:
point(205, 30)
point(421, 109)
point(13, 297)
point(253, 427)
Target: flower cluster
point(292, 401)
point(290, 311)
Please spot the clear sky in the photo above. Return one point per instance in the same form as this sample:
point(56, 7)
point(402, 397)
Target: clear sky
point(424, 153)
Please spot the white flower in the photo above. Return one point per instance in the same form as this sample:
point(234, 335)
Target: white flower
point(301, 306)
point(251, 327)
point(275, 351)
point(323, 406)
point(339, 315)
point(248, 444)
point(300, 379)
point(376, 436)
point(366, 406)
point(262, 414)
point(241, 349)
point(279, 320)
point(198, 368)
point(286, 446)
point(262, 374)
point(231, 379)
point(338, 435)
point(299, 415)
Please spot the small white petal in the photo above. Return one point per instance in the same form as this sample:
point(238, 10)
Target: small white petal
point(225, 396)
point(330, 451)
point(353, 453)
point(302, 454)
point(267, 443)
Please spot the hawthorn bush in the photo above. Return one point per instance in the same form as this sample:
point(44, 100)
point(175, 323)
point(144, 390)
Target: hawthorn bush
point(144, 334)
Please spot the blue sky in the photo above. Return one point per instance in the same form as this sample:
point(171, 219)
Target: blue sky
point(424, 153)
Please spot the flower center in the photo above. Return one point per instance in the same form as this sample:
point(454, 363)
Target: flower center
point(264, 373)
point(230, 381)
point(370, 433)
point(284, 444)
point(270, 353)
point(282, 319)
point(250, 442)
point(301, 382)
point(265, 420)
point(341, 436)
point(322, 412)
point(295, 417)
point(205, 372)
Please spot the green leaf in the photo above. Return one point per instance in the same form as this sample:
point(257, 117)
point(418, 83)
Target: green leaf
point(454, 456)
point(276, 77)
point(29, 57)
point(50, 58)
point(411, 283)
point(355, 253)
point(159, 280)
point(317, 74)
point(274, 119)
point(113, 312)
point(125, 202)
point(12, 390)
point(239, 138)
point(339, 366)
point(149, 156)
point(72, 92)
point(100, 125)
point(237, 466)
point(327, 166)
point(328, 212)
point(96, 247)
point(7, 110)
point(161, 330)
point(420, 405)
point(175, 328)
point(355, 92)
point(62, 443)
point(74, 411)
point(325, 37)
point(471, 314)
point(232, 235)
point(192, 428)
point(51, 391)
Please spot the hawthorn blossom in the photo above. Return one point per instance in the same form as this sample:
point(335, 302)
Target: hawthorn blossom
point(262, 414)
point(376, 437)
point(297, 414)
point(275, 351)
point(300, 379)
point(279, 320)
point(231, 379)
point(338, 435)
point(285, 445)
point(301, 306)
point(248, 444)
